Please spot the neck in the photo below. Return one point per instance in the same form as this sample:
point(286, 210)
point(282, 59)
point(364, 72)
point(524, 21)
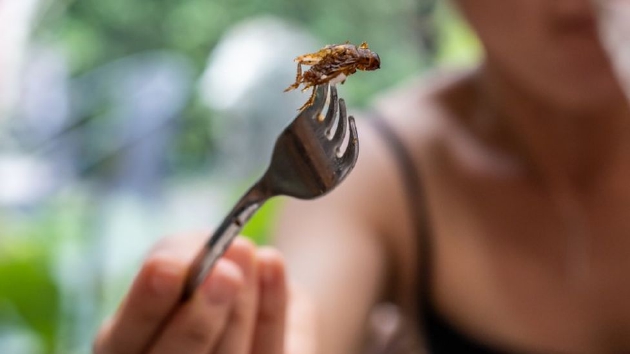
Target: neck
point(557, 143)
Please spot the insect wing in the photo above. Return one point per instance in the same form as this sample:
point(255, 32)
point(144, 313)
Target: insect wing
point(315, 58)
point(343, 60)
point(309, 59)
point(345, 70)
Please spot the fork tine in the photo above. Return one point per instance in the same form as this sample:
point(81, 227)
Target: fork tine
point(352, 151)
point(314, 110)
point(342, 125)
point(333, 106)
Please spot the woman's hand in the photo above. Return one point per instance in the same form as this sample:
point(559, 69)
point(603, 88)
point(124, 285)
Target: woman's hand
point(239, 309)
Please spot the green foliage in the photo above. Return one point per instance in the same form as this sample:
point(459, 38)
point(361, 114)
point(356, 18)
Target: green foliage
point(458, 45)
point(190, 151)
point(28, 287)
point(259, 228)
point(95, 32)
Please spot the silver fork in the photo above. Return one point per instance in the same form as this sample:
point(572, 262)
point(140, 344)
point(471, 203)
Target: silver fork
point(306, 163)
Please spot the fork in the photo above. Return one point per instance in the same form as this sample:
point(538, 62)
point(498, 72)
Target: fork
point(306, 163)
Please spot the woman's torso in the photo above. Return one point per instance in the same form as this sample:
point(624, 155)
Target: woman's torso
point(512, 262)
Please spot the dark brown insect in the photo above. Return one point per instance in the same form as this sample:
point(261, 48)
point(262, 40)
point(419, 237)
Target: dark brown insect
point(333, 64)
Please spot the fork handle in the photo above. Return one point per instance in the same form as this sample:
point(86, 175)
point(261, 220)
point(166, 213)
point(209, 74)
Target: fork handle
point(216, 245)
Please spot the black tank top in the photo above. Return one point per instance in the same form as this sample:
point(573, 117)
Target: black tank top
point(439, 335)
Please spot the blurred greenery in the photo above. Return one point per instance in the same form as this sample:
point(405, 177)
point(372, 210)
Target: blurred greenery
point(410, 37)
point(28, 285)
point(259, 227)
point(95, 32)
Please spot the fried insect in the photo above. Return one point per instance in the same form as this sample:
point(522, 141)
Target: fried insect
point(333, 64)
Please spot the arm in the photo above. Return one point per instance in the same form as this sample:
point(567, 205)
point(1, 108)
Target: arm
point(336, 249)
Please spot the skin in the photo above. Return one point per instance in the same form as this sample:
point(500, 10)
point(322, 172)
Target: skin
point(525, 164)
point(240, 308)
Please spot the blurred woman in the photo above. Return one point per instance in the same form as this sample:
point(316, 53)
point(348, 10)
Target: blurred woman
point(492, 206)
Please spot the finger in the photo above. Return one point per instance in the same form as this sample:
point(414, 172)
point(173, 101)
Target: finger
point(98, 346)
point(153, 294)
point(270, 322)
point(197, 326)
point(237, 337)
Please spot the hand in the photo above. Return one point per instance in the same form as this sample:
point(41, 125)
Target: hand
point(239, 309)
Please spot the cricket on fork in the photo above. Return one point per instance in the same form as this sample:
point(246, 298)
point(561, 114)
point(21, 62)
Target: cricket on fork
point(333, 64)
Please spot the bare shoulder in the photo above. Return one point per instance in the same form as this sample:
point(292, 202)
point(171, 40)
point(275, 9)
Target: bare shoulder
point(372, 205)
point(420, 111)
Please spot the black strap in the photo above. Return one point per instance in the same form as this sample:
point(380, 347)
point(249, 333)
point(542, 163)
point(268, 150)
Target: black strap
point(440, 336)
point(416, 199)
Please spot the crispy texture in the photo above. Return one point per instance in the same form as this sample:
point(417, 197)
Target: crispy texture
point(330, 62)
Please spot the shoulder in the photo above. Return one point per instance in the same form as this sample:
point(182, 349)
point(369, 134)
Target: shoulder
point(372, 205)
point(421, 116)
point(422, 111)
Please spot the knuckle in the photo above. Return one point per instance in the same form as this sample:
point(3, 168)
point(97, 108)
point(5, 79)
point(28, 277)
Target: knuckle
point(200, 329)
point(198, 333)
point(148, 316)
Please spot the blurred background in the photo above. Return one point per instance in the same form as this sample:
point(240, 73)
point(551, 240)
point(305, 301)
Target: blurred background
point(122, 121)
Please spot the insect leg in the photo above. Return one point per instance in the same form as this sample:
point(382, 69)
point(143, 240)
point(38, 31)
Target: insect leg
point(298, 79)
point(311, 78)
point(310, 100)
